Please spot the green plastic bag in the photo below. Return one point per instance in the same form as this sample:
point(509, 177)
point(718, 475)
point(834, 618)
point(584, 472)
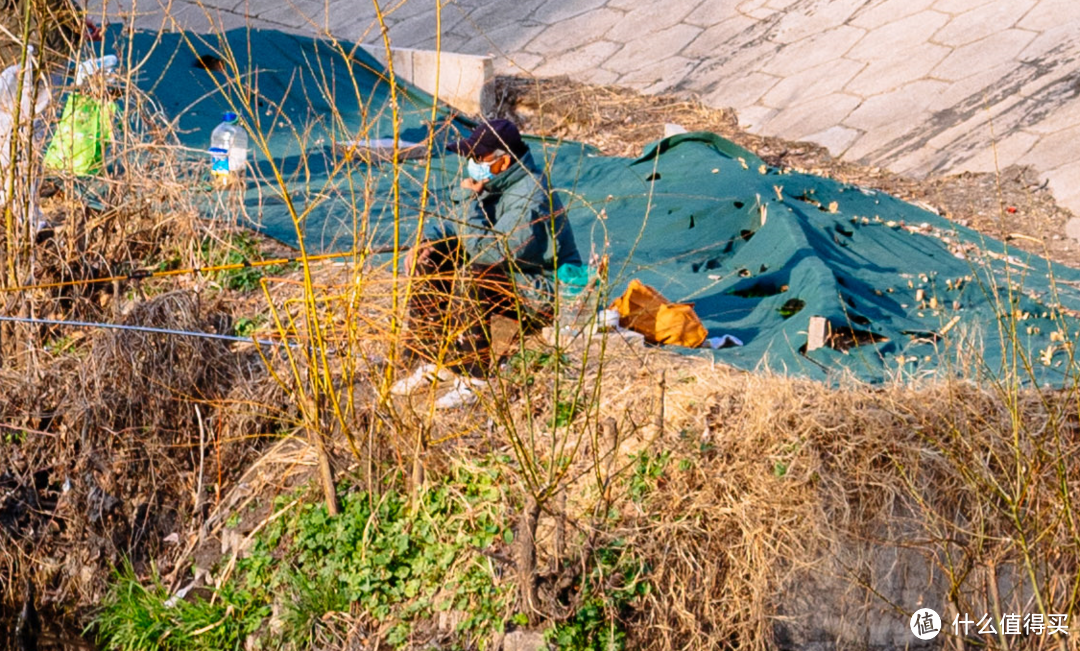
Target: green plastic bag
point(85, 128)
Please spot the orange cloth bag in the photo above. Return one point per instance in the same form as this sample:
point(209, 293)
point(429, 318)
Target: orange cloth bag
point(645, 310)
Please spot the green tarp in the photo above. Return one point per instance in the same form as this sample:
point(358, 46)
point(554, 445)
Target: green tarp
point(759, 251)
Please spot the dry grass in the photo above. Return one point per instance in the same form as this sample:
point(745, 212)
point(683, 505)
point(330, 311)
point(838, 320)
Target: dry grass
point(773, 486)
point(785, 497)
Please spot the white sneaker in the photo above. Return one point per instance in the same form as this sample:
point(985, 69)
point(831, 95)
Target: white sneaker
point(425, 375)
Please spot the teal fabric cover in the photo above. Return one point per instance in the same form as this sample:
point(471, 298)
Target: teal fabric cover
point(759, 251)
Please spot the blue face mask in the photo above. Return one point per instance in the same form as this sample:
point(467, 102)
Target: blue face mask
point(480, 171)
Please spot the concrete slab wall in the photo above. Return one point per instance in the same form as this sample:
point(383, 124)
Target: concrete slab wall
point(464, 81)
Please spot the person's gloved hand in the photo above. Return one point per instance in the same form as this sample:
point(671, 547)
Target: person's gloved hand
point(418, 256)
point(474, 185)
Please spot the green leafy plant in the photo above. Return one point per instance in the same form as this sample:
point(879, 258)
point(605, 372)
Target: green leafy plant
point(247, 326)
point(236, 249)
point(137, 617)
point(397, 560)
point(566, 411)
point(615, 579)
point(648, 470)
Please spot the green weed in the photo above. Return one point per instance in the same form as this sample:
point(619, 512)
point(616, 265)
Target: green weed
point(648, 470)
point(135, 617)
point(398, 562)
point(247, 326)
point(238, 248)
point(615, 579)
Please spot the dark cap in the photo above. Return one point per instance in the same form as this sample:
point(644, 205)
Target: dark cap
point(488, 137)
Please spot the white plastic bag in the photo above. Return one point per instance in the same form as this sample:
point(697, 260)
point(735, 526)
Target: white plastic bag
point(35, 99)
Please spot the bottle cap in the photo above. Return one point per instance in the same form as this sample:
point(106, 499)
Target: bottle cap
point(229, 116)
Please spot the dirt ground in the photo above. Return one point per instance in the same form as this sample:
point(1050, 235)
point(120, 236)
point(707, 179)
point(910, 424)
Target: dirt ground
point(1012, 205)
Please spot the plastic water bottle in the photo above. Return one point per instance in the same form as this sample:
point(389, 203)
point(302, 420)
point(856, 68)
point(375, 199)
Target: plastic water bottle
point(105, 65)
point(228, 150)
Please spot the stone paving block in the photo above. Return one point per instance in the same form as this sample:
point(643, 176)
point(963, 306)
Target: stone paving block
point(396, 10)
point(649, 18)
point(228, 5)
point(956, 7)
point(640, 52)
point(308, 15)
point(592, 55)
point(204, 22)
point(660, 76)
point(557, 11)
point(780, 5)
point(813, 51)
point(1049, 14)
point(887, 12)
point(984, 21)
point(1054, 150)
point(107, 9)
point(818, 81)
point(980, 55)
point(1065, 116)
point(518, 63)
point(492, 15)
point(753, 118)
point(917, 163)
point(882, 76)
point(1008, 151)
point(741, 92)
point(576, 33)
point(1065, 184)
point(810, 19)
point(352, 25)
point(902, 104)
point(888, 41)
point(727, 65)
point(599, 76)
point(464, 43)
point(712, 12)
point(151, 16)
point(181, 16)
point(764, 13)
point(508, 40)
point(419, 31)
point(997, 120)
point(756, 9)
point(882, 147)
point(972, 93)
point(1055, 48)
point(836, 139)
point(813, 116)
point(1053, 103)
point(731, 33)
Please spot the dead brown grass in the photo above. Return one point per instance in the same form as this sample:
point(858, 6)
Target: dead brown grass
point(789, 511)
point(779, 497)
